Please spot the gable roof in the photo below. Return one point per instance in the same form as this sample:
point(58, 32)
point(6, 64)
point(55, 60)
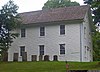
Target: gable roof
point(57, 14)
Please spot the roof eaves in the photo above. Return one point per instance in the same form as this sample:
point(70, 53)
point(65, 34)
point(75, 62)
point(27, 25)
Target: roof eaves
point(57, 22)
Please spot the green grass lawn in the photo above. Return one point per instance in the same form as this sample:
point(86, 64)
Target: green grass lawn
point(46, 66)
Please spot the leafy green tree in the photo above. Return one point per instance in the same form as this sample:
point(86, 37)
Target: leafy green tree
point(59, 3)
point(8, 22)
point(96, 46)
point(95, 8)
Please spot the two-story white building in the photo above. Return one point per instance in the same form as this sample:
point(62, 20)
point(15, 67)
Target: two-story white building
point(56, 35)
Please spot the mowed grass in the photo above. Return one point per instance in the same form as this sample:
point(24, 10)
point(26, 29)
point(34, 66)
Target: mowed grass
point(46, 66)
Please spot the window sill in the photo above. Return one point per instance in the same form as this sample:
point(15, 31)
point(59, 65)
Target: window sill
point(62, 35)
point(20, 56)
point(61, 55)
point(41, 36)
point(22, 37)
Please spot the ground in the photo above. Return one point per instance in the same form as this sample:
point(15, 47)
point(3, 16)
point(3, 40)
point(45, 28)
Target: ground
point(46, 66)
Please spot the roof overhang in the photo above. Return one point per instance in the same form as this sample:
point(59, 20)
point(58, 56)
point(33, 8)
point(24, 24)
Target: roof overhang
point(76, 21)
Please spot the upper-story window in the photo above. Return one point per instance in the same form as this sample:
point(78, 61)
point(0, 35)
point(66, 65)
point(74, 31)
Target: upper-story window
point(22, 49)
point(23, 32)
point(42, 31)
point(62, 29)
point(41, 48)
point(84, 32)
point(62, 48)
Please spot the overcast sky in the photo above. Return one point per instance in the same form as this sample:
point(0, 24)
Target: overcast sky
point(30, 5)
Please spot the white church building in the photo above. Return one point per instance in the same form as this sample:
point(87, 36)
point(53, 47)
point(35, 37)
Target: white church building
point(60, 34)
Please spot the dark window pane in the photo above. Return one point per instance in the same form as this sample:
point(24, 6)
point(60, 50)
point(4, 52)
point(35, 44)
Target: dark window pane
point(41, 49)
point(22, 32)
point(42, 53)
point(62, 26)
point(42, 31)
point(22, 49)
point(62, 29)
point(62, 48)
point(62, 51)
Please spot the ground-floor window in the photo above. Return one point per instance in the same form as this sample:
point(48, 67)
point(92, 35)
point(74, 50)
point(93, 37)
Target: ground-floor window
point(41, 48)
point(62, 48)
point(22, 49)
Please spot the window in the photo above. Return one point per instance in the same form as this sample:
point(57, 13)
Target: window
point(23, 32)
point(41, 49)
point(88, 48)
point(22, 49)
point(62, 48)
point(62, 29)
point(42, 31)
point(85, 49)
point(84, 32)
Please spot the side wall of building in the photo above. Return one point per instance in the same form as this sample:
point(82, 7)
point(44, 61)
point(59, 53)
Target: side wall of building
point(86, 40)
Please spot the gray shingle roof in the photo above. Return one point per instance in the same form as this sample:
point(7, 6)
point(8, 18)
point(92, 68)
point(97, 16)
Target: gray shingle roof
point(58, 14)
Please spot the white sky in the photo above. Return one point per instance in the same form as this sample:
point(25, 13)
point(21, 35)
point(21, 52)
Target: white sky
point(30, 5)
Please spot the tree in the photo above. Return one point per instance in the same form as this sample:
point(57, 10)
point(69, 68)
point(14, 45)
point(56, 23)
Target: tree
point(59, 3)
point(95, 8)
point(8, 22)
point(96, 46)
